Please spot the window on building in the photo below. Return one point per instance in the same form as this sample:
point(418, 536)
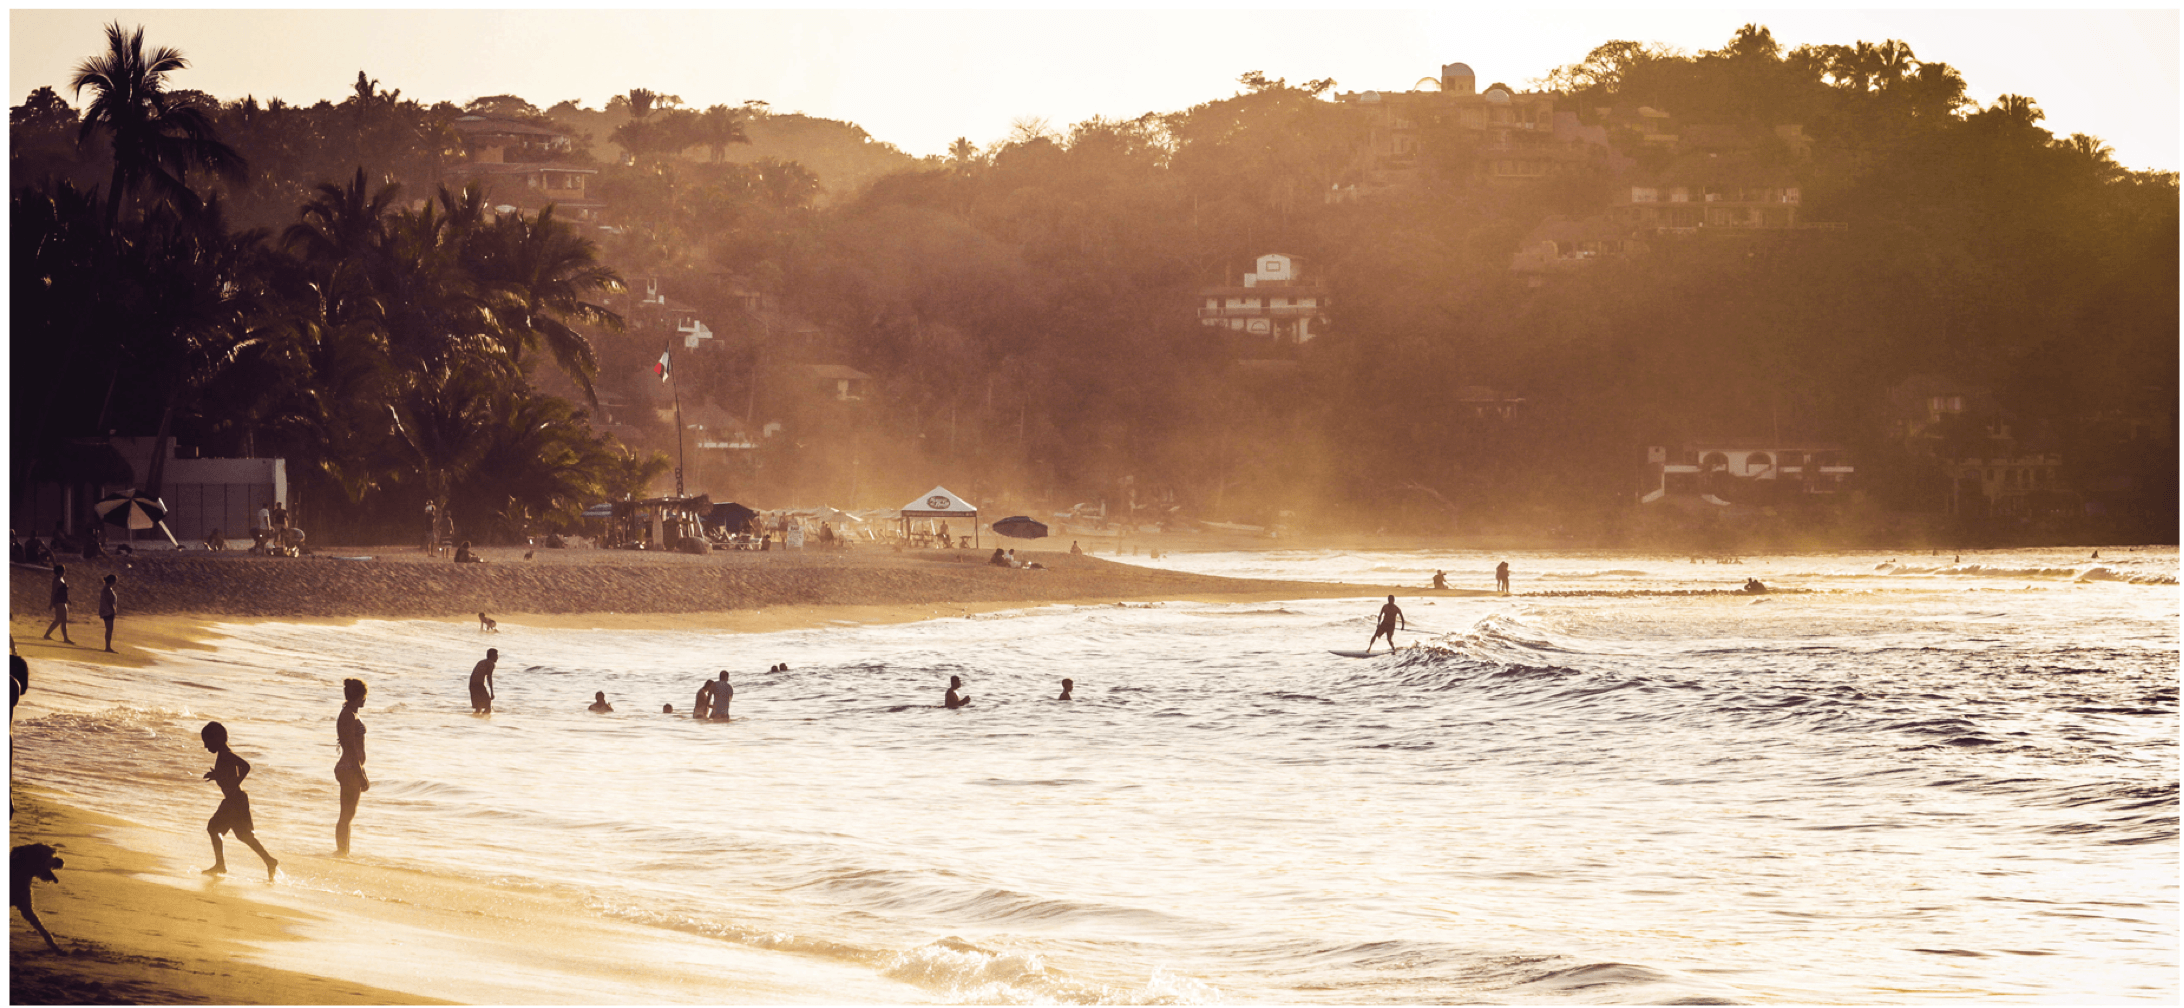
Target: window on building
point(1644, 194)
point(1714, 460)
point(1756, 461)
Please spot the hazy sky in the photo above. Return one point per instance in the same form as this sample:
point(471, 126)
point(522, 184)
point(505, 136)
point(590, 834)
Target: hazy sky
point(919, 79)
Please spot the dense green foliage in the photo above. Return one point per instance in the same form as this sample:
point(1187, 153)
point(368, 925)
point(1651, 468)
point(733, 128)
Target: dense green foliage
point(1027, 310)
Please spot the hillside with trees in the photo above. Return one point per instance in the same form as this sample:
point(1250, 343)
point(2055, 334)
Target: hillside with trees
point(296, 281)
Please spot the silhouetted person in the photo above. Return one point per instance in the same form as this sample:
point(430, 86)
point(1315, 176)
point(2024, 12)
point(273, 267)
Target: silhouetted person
point(702, 707)
point(481, 683)
point(1440, 579)
point(952, 700)
point(599, 704)
point(2096, 554)
point(233, 815)
point(1067, 685)
point(57, 598)
point(1000, 557)
point(18, 681)
point(349, 768)
point(1390, 615)
point(1074, 549)
point(720, 694)
point(487, 624)
point(109, 606)
point(26, 864)
point(667, 708)
point(462, 553)
point(1753, 587)
point(1501, 577)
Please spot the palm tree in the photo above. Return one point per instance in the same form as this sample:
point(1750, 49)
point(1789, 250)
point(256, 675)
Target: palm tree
point(155, 138)
point(721, 126)
point(540, 272)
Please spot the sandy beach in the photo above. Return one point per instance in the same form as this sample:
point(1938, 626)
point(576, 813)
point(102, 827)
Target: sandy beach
point(146, 927)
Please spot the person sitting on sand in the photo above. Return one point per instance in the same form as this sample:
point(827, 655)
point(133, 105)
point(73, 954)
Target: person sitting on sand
point(721, 694)
point(599, 704)
point(1074, 549)
point(487, 624)
point(228, 771)
point(213, 542)
point(26, 864)
point(1067, 685)
point(463, 554)
point(1000, 557)
point(481, 683)
point(953, 701)
point(349, 768)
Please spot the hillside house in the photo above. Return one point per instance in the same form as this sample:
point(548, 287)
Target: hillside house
point(523, 165)
point(1275, 300)
point(1742, 471)
point(1507, 135)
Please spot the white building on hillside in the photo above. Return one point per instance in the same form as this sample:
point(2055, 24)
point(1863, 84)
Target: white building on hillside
point(1276, 301)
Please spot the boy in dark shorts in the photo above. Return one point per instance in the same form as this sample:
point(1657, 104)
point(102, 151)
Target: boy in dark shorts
point(228, 771)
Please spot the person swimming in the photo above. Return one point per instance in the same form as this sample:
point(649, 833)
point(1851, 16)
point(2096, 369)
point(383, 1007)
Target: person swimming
point(721, 695)
point(599, 704)
point(952, 700)
point(1067, 685)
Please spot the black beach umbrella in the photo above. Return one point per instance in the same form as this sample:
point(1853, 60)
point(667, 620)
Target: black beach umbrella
point(134, 511)
point(130, 511)
point(1020, 527)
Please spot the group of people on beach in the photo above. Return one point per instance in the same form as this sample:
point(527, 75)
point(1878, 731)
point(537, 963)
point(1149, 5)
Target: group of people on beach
point(1501, 578)
point(57, 601)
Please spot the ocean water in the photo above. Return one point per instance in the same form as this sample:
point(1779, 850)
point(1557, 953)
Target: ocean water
point(1898, 779)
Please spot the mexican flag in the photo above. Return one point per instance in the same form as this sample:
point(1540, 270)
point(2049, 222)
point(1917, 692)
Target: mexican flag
point(661, 367)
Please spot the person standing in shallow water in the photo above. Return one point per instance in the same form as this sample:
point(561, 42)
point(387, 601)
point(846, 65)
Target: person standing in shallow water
point(349, 769)
point(233, 815)
point(1501, 577)
point(720, 695)
point(1067, 685)
point(481, 683)
point(952, 700)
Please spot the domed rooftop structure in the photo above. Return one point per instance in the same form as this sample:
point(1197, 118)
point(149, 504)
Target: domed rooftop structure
point(1458, 79)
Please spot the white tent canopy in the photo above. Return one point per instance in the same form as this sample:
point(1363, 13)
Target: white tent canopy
point(939, 503)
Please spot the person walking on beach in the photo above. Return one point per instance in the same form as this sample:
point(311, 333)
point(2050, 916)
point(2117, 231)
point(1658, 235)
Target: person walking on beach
point(57, 598)
point(349, 768)
point(719, 694)
point(109, 603)
point(233, 815)
point(952, 700)
point(481, 683)
point(1501, 577)
point(1390, 615)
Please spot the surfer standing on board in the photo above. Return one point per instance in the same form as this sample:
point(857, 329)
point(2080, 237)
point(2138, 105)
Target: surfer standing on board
point(1390, 616)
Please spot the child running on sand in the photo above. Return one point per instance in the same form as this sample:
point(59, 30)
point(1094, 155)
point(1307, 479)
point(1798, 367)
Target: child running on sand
point(228, 771)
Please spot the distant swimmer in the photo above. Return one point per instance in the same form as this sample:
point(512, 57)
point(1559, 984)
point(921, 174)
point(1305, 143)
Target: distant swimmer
point(1753, 587)
point(599, 704)
point(1440, 580)
point(233, 815)
point(1501, 577)
point(667, 708)
point(702, 707)
point(487, 624)
point(349, 768)
point(1067, 685)
point(481, 683)
point(721, 694)
point(952, 700)
point(1390, 615)
point(2096, 556)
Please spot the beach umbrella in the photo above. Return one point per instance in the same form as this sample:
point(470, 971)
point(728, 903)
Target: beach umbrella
point(133, 511)
point(1020, 527)
point(130, 511)
point(731, 514)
